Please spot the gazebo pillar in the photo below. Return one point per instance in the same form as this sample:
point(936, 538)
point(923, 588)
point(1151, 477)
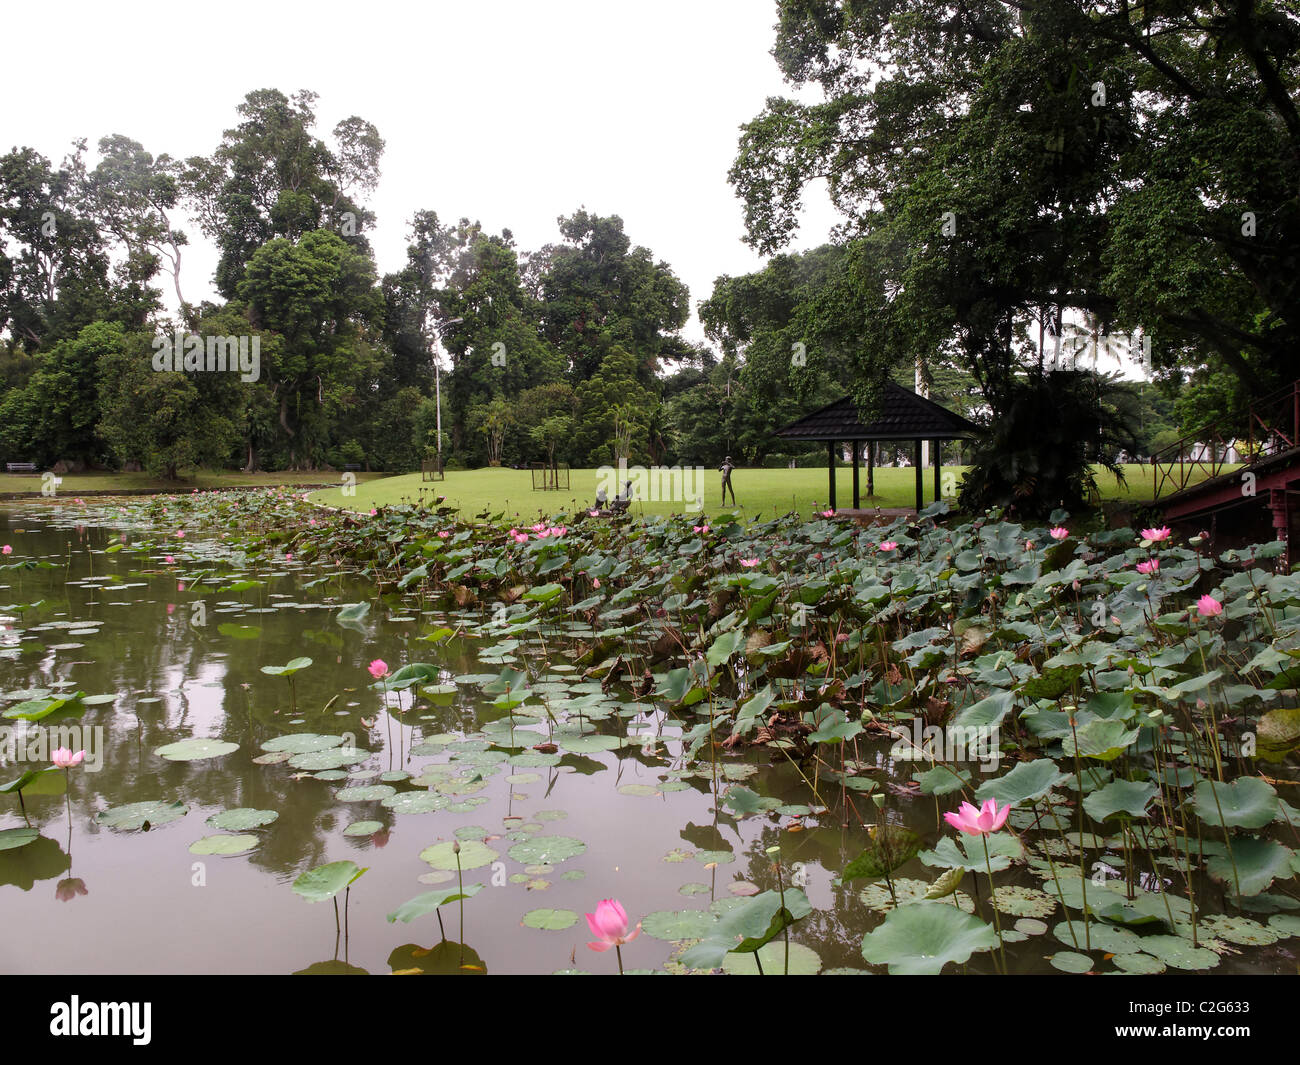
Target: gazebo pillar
point(871, 468)
point(857, 444)
point(938, 465)
point(830, 455)
point(920, 474)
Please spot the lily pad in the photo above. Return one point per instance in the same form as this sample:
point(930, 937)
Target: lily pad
point(195, 748)
point(141, 815)
point(803, 961)
point(676, 925)
point(1244, 803)
point(224, 844)
point(550, 920)
point(326, 881)
point(473, 855)
point(242, 818)
point(546, 850)
point(921, 938)
point(13, 838)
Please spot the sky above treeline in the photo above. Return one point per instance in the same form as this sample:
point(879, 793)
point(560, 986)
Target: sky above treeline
point(508, 112)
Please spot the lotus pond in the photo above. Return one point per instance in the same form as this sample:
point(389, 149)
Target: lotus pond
point(412, 741)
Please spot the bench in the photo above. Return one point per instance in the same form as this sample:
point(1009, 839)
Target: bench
point(20, 467)
point(352, 466)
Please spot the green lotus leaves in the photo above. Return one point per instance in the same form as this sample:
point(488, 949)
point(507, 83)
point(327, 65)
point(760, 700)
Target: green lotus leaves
point(676, 925)
point(326, 881)
point(473, 855)
point(302, 743)
point(1102, 739)
point(224, 845)
point(774, 959)
point(1245, 803)
point(890, 847)
point(429, 902)
point(1120, 798)
point(748, 927)
point(289, 669)
point(195, 749)
point(967, 852)
point(242, 818)
point(13, 838)
point(141, 815)
point(546, 849)
point(1026, 782)
point(1252, 865)
point(550, 920)
point(921, 938)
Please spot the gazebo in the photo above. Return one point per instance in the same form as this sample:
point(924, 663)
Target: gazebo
point(903, 416)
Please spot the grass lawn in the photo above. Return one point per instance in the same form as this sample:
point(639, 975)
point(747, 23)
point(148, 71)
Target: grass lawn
point(98, 481)
point(758, 491)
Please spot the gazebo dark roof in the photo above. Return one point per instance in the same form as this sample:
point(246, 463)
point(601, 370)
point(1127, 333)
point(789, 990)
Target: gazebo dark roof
point(903, 416)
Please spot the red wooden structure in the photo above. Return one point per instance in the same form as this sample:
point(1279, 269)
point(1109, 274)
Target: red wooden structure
point(1192, 481)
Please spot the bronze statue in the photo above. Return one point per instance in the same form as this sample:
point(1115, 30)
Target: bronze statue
point(727, 467)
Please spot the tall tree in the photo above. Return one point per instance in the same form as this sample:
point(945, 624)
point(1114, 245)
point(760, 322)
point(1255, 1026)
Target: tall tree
point(1004, 165)
point(599, 291)
point(272, 177)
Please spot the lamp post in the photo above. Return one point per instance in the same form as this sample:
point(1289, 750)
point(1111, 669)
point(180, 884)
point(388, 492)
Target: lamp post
point(437, 378)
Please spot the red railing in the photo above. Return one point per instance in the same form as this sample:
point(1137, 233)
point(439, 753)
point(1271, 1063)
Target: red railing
point(1273, 427)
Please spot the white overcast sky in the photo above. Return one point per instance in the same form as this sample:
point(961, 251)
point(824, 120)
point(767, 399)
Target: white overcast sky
point(509, 112)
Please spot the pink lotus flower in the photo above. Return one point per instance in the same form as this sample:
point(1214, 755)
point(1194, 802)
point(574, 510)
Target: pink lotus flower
point(169, 560)
point(520, 538)
point(988, 818)
point(1151, 565)
point(1209, 607)
point(539, 527)
point(373, 512)
point(443, 534)
point(65, 759)
point(749, 563)
point(558, 530)
point(828, 513)
point(609, 926)
point(595, 582)
point(889, 545)
point(180, 534)
point(171, 608)
point(288, 557)
point(80, 502)
point(312, 522)
point(1156, 534)
point(6, 550)
point(378, 668)
point(1059, 533)
point(1029, 545)
point(180, 586)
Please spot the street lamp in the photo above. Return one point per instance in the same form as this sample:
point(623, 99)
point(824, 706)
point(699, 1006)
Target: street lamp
point(437, 379)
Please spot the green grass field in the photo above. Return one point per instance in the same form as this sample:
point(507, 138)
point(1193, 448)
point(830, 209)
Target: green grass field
point(758, 491)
